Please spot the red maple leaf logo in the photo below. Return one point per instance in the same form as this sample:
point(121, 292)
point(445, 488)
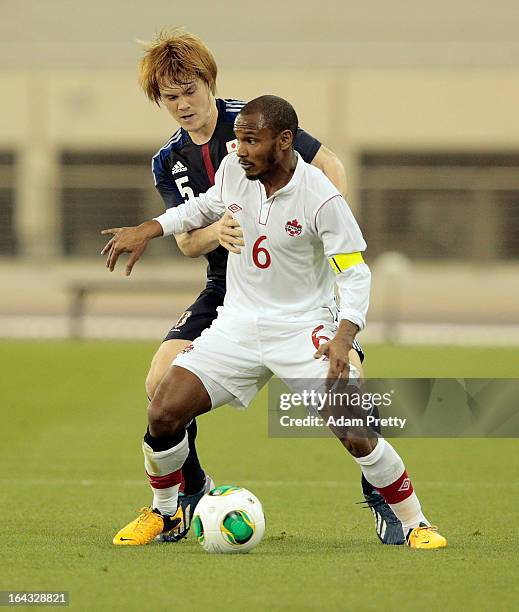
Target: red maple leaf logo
point(293, 228)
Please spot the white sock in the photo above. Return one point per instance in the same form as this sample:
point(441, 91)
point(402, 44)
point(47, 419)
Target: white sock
point(409, 513)
point(164, 472)
point(385, 470)
point(166, 500)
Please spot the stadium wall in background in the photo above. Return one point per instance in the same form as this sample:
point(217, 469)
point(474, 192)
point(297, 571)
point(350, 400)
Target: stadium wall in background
point(419, 102)
point(430, 153)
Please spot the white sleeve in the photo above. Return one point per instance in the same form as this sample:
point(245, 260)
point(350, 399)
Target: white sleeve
point(354, 285)
point(341, 235)
point(199, 211)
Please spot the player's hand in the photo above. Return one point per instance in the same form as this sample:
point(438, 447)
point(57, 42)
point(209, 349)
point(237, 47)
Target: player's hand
point(337, 350)
point(133, 240)
point(230, 234)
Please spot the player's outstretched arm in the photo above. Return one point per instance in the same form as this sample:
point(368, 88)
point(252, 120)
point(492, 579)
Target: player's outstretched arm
point(199, 241)
point(197, 212)
point(133, 240)
point(226, 232)
point(328, 162)
point(195, 223)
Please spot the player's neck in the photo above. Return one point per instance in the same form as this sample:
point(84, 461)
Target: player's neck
point(204, 134)
point(281, 175)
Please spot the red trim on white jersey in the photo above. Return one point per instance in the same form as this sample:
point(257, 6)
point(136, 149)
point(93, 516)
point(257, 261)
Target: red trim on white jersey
point(325, 202)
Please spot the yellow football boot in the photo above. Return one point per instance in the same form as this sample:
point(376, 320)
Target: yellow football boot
point(146, 527)
point(425, 536)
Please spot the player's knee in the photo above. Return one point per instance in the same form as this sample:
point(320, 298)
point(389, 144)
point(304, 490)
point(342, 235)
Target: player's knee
point(358, 444)
point(166, 418)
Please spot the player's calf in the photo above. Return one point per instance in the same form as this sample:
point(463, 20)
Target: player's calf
point(179, 398)
point(359, 443)
point(385, 470)
point(166, 443)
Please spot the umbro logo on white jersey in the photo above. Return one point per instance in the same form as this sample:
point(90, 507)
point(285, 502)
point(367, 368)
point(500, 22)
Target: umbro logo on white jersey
point(178, 167)
point(405, 486)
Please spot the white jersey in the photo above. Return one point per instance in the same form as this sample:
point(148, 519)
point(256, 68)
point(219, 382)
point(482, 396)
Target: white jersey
point(291, 239)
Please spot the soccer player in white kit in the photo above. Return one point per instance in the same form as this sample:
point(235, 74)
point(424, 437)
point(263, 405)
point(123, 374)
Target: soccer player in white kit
point(299, 238)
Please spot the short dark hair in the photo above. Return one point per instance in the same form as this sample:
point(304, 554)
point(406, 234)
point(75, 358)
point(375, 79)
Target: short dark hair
point(279, 115)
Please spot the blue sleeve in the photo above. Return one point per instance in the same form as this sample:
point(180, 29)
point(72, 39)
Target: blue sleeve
point(164, 184)
point(306, 145)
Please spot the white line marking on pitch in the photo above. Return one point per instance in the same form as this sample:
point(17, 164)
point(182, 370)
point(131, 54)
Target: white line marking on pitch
point(56, 482)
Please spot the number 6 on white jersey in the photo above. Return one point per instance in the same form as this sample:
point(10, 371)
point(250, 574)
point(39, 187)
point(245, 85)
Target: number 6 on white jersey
point(257, 250)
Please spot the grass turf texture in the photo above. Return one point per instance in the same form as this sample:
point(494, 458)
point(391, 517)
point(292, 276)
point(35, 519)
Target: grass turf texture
point(73, 417)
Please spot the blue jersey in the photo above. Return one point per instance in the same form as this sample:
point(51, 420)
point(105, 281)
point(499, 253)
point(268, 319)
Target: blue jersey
point(183, 169)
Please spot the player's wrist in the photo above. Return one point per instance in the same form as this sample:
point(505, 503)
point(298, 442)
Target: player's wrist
point(151, 229)
point(347, 330)
point(214, 230)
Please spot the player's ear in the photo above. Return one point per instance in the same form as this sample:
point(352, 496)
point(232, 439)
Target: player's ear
point(286, 139)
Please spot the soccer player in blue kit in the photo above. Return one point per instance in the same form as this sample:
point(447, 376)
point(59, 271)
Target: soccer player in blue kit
point(179, 72)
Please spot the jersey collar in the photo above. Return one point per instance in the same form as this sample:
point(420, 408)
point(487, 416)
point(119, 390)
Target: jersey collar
point(294, 181)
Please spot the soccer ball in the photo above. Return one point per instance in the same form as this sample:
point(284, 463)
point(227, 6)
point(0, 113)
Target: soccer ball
point(228, 519)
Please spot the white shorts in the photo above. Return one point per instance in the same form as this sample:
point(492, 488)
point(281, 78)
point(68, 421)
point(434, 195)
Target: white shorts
point(237, 355)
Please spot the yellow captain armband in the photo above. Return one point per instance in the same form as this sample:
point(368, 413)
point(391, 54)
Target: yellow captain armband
point(343, 261)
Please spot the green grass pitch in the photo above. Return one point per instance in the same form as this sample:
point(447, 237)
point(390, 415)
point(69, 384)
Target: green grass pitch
point(73, 417)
